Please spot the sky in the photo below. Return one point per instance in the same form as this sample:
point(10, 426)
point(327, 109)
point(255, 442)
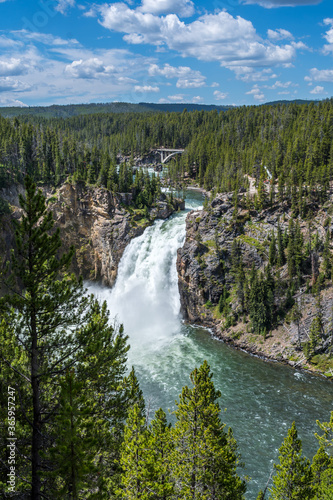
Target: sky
point(231, 52)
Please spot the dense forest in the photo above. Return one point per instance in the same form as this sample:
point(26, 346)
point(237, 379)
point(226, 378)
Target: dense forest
point(68, 110)
point(294, 142)
point(74, 425)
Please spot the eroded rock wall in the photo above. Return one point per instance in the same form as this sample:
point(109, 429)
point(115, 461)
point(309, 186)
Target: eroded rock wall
point(93, 220)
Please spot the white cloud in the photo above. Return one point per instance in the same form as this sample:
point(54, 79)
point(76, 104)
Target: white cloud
point(196, 99)
point(317, 90)
point(6, 42)
point(269, 4)
point(181, 98)
point(49, 69)
point(176, 97)
point(219, 96)
point(320, 75)
point(5, 102)
point(183, 8)
point(256, 93)
point(279, 34)
point(90, 68)
point(44, 38)
point(140, 27)
point(63, 5)
point(233, 42)
point(328, 36)
point(248, 74)
point(13, 67)
point(215, 84)
point(9, 84)
point(145, 88)
point(281, 85)
point(186, 77)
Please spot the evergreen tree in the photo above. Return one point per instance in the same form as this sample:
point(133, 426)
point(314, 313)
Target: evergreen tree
point(161, 446)
point(272, 250)
point(281, 257)
point(136, 461)
point(57, 329)
point(293, 479)
point(327, 258)
point(322, 472)
point(326, 439)
point(134, 394)
point(205, 457)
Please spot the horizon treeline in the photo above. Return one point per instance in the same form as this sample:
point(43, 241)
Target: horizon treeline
point(294, 142)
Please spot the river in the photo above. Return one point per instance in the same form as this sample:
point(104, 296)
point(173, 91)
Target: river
point(261, 399)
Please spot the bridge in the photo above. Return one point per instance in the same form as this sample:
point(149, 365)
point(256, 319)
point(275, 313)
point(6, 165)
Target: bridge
point(167, 154)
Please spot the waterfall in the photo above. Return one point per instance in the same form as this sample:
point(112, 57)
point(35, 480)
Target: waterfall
point(145, 294)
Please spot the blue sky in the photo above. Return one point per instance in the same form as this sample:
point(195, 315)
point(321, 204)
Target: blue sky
point(215, 51)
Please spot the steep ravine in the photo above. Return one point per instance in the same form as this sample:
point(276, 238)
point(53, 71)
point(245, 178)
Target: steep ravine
point(204, 268)
point(93, 220)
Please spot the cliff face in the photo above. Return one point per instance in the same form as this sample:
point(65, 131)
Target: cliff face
point(204, 266)
point(204, 262)
point(94, 221)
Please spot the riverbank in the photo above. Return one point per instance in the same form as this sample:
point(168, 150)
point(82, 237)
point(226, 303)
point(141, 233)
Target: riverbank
point(218, 238)
point(276, 348)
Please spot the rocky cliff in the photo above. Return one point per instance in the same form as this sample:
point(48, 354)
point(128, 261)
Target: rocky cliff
point(93, 220)
point(205, 268)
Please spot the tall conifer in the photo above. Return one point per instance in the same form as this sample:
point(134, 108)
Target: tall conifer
point(205, 456)
point(59, 329)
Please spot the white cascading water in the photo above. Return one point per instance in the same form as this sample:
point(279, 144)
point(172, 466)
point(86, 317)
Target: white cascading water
point(145, 299)
point(145, 294)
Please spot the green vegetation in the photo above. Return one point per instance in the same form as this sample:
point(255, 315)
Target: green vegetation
point(81, 425)
point(68, 110)
point(66, 366)
point(293, 141)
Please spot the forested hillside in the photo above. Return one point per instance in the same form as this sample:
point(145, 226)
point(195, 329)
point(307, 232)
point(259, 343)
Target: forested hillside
point(68, 110)
point(293, 141)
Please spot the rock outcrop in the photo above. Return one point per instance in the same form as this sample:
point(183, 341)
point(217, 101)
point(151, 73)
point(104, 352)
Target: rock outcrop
point(204, 266)
point(93, 220)
point(204, 262)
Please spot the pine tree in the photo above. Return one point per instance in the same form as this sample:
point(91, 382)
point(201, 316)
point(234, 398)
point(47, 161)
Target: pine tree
point(327, 258)
point(69, 452)
point(134, 394)
point(281, 257)
point(272, 250)
point(58, 329)
point(205, 457)
point(315, 333)
point(322, 472)
point(326, 439)
point(293, 480)
point(291, 251)
point(161, 446)
point(136, 462)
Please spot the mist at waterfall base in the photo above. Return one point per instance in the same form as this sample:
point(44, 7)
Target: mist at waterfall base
point(261, 399)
